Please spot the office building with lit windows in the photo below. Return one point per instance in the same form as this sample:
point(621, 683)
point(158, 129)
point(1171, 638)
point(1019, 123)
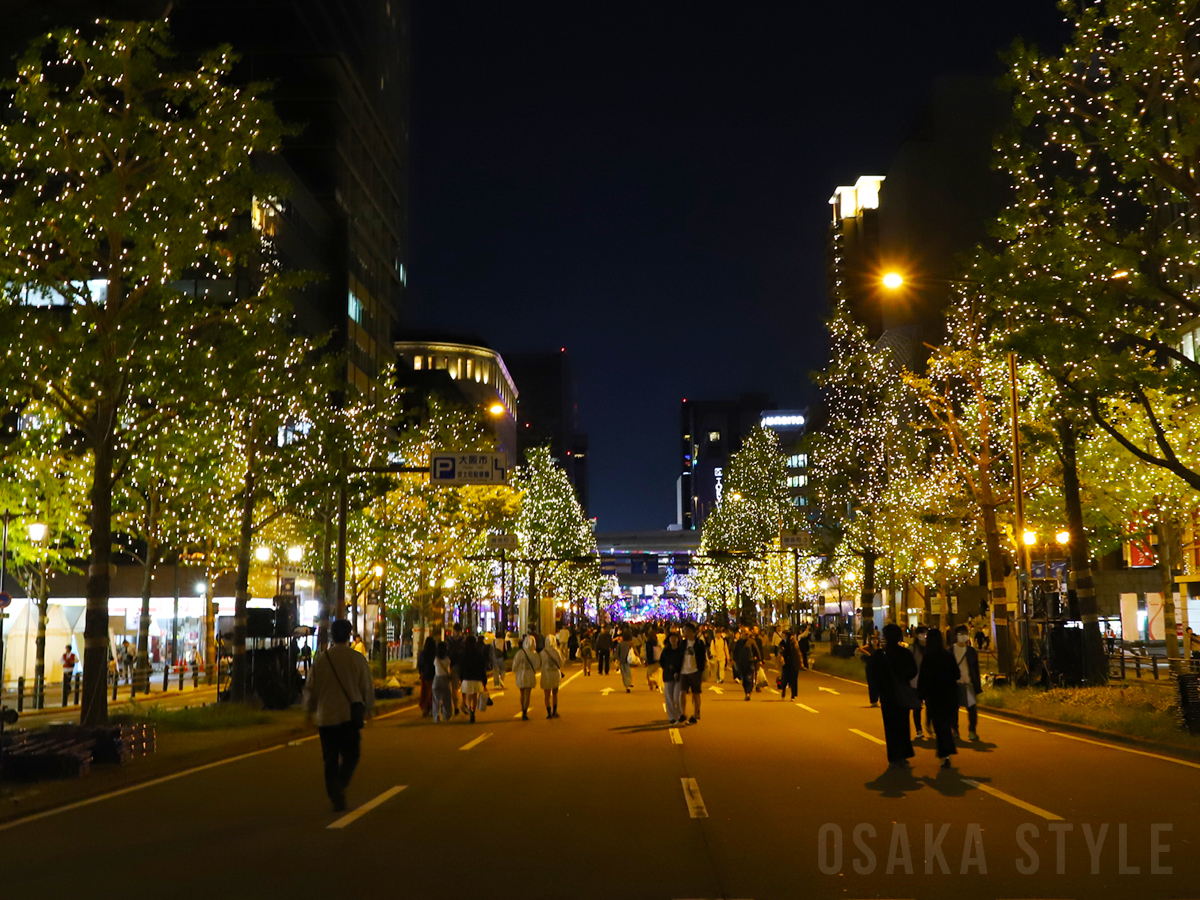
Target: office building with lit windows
point(711, 431)
point(791, 426)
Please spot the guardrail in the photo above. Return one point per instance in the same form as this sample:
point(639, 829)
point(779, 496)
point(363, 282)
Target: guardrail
point(32, 694)
point(1126, 664)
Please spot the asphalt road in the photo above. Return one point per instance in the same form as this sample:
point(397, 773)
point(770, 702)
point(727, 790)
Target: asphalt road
point(608, 802)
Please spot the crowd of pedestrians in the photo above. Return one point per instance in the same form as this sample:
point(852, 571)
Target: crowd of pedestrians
point(903, 678)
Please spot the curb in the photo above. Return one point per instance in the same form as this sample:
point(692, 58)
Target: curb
point(20, 809)
point(1049, 725)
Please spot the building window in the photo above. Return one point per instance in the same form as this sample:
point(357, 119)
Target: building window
point(798, 461)
point(354, 308)
point(416, 364)
point(714, 436)
point(797, 481)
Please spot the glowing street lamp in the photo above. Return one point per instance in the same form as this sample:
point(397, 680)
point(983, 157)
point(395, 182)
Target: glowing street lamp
point(295, 554)
point(893, 281)
point(37, 532)
point(1063, 538)
point(1030, 538)
point(497, 409)
point(263, 554)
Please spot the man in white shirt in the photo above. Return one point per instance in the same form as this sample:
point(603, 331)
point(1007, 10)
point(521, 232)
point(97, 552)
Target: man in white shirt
point(340, 677)
point(692, 672)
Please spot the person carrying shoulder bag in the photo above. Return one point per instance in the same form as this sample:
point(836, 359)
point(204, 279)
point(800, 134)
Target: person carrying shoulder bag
point(340, 694)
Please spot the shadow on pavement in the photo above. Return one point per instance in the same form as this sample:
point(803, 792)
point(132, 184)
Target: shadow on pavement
point(977, 746)
point(648, 726)
point(895, 782)
point(950, 783)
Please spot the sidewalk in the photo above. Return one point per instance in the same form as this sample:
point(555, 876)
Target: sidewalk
point(203, 693)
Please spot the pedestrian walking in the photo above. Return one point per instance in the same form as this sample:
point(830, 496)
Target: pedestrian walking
point(691, 674)
point(499, 659)
point(672, 667)
point(443, 694)
point(552, 663)
point(720, 654)
point(789, 669)
point(474, 675)
point(970, 685)
point(624, 651)
point(573, 644)
point(426, 672)
point(892, 668)
point(340, 696)
point(918, 651)
point(652, 665)
point(604, 644)
point(525, 668)
point(69, 661)
point(804, 643)
point(938, 683)
point(747, 657)
point(455, 648)
point(585, 654)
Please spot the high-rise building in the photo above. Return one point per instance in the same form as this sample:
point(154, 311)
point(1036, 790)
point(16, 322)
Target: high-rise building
point(852, 258)
point(340, 74)
point(711, 431)
point(791, 426)
point(548, 415)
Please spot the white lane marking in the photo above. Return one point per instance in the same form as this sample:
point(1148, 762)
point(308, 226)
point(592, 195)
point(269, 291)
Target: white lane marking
point(497, 694)
point(664, 706)
point(303, 740)
point(367, 807)
point(606, 691)
point(136, 787)
point(716, 690)
point(1009, 798)
point(475, 743)
point(398, 712)
point(676, 737)
point(569, 680)
point(1011, 722)
point(829, 691)
point(869, 737)
point(518, 715)
point(773, 691)
point(840, 678)
point(695, 803)
point(809, 708)
point(1176, 760)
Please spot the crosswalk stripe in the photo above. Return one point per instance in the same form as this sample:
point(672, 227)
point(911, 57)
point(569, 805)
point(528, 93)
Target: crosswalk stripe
point(695, 803)
point(367, 807)
point(869, 737)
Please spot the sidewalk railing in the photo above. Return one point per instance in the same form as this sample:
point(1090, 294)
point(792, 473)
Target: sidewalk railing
point(29, 694)
point(1125, 664)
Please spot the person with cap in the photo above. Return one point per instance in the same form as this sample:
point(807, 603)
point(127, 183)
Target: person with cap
point(552, 663)
point(525, 668)
point(340, 680)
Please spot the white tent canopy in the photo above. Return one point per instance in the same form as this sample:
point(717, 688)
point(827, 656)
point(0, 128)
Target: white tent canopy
point(20, 644)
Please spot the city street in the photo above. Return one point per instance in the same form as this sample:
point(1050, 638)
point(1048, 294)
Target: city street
point(608, 801)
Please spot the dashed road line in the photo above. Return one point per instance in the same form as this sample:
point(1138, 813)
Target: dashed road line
point(676, 737)
point(475, 743)
point(1176, 760)
point(366, 807)
point(695, 803)
point(808, 708)
point(1015, 801)
point(869, 737)
point(569, 680)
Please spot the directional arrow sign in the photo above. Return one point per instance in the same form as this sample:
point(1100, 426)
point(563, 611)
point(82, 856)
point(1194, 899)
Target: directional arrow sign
point(716, 690)
point(5, 599)
point(829, 690)
point(607, 691)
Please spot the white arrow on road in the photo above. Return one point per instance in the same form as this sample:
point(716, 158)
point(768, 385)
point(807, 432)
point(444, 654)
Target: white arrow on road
point(829, 690)
point(716, 690)
point(607, 691)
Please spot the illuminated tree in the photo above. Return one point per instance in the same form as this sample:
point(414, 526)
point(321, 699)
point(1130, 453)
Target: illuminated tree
point(120, 175)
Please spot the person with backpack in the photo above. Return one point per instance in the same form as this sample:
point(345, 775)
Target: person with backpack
point(340, 695)
point(585, 653)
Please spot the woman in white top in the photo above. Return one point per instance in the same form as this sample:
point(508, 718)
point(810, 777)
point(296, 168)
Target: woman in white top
point(552, 663)
point(525, 667)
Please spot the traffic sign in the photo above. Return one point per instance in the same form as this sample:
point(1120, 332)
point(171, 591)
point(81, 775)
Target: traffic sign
point(796, 540)
point(450, 468)
point(5, 599)
point(502, 542)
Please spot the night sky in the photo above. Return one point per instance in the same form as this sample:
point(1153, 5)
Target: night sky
point(646, 184)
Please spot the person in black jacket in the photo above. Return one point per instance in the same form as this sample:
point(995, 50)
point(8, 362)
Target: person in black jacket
point(425, 670)
point(473, 665)
point(789, 655)
point(938, 685)
point(970, 685)
point(889, 671)
point(747, 658)
point(671, 659)
point(604, 645)
point(695, 656)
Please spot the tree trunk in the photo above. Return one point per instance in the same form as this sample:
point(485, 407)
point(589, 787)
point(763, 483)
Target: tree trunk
point(94, 708)
point(1095, 660)
point(142, 666)
point(39, 665)
point(996, 590)
point(210, 616)
point(239, 672)
point(868, 593)
point(1167, 541)
point(328, 535)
